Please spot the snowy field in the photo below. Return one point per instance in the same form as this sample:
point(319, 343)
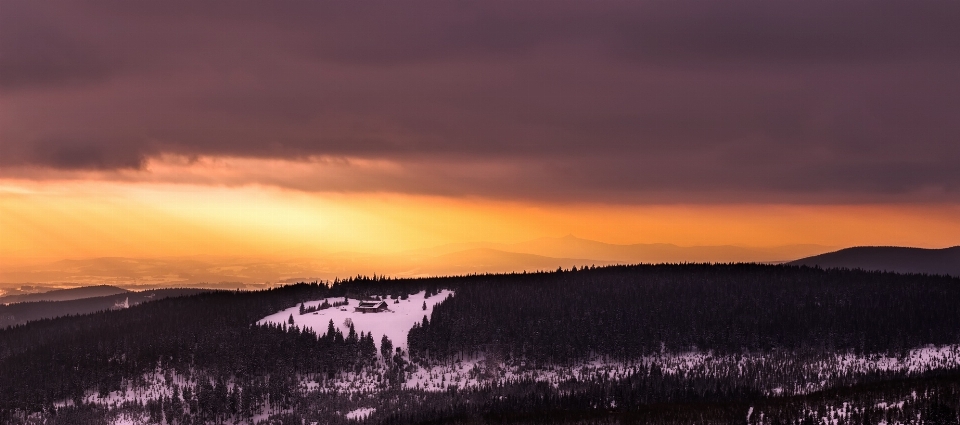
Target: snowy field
point(395, 324)
point(360, 413)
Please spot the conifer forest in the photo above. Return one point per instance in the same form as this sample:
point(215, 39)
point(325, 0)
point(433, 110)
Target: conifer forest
point(665, 344)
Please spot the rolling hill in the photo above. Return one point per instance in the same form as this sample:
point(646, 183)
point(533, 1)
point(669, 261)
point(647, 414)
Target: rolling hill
point(945, 261)
point(65, 294)
point(573, 247)
point(23, 312)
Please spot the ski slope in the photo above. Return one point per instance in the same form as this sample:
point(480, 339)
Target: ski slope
point(395, 324)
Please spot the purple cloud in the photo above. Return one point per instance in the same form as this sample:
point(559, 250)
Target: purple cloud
point(615, 101)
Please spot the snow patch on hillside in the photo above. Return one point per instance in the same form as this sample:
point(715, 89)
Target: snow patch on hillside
point(151, 386)
point(361, 413)
point(395, 324)
point(825, 372)
point(464, 373)
point(917, 360)
point(131, 419)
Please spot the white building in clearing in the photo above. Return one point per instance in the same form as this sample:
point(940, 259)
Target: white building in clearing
point(374, 306)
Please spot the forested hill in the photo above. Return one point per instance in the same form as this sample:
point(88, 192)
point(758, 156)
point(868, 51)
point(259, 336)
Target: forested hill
point(65, 294)
point(23, 312)
point(214, 332)
point(944, 261)
point(626, 311)
point(620, 312)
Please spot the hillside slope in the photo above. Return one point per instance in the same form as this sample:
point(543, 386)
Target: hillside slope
point(888, 258)
point(23, 312)
point(65, 294)
point(644, 340)
point(606, 253)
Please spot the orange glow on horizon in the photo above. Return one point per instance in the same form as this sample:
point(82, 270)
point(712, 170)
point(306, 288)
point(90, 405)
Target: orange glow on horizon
point(82, 219)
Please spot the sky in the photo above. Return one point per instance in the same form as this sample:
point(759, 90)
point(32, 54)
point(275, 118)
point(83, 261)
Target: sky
point(271, 130)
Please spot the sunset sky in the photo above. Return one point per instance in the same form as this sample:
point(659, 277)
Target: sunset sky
point(304, 129)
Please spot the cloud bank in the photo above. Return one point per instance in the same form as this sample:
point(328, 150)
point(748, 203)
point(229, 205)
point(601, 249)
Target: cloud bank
point(620, 102)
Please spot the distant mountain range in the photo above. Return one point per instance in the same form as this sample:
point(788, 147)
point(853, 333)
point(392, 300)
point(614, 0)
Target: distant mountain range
point(65, 294)
point(23, 312)
point(451, 259)
point(890, 258)
point(573, 247)
point(488, 260)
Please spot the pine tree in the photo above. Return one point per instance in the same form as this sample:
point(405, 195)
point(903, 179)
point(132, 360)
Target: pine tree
point(352, 335)
point(330, 330)
point(302, 309)
point(386, 348)
point(290, 320)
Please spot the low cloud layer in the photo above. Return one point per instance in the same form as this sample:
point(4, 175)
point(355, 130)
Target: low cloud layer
point(624, 102)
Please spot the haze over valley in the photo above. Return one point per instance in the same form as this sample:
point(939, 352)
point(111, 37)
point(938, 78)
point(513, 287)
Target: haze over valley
point(450, 259)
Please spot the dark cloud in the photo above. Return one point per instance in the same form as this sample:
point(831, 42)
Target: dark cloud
point(639, 101)
point(73, 154)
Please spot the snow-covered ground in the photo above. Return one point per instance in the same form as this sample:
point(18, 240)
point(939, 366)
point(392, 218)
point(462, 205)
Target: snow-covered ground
point(818, 374)
point(831, 413)
point(395, 324)
point(360, 413)
point(471, 373)
point(131, 419)
point(782, 373)
point(150, 386)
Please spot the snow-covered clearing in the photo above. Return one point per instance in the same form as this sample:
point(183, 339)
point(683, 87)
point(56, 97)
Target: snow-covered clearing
point(150, 386)
point(131, 419)
point(832, 413)
point(395, 323)
point(917, 360)
point(360, 413)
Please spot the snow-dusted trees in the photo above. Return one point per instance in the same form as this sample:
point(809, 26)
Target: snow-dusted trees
point(617, 311)
point(367, 349)
point(386, 348)
point(629, 311)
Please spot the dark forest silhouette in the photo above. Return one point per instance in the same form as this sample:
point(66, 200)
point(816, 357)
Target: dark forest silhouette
point(620, 312)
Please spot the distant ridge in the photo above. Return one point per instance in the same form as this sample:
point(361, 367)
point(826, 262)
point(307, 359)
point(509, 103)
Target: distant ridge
point(23, 312)
point(488, 260)
point(890, 258)
point(65, 294)
point(573, 247)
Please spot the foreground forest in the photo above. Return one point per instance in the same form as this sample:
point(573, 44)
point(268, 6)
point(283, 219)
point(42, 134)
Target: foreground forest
point(621, 344)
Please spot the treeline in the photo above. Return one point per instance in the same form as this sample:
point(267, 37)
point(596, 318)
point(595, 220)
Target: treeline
point(627, 311)
point(304, 309)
